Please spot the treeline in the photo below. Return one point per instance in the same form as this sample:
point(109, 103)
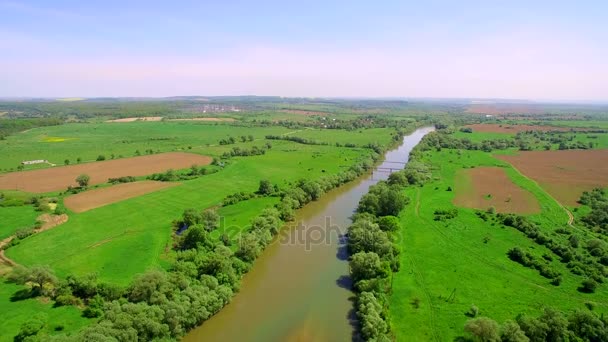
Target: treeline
point(551, 325)
point(174, 176)
point(597, 219)
point(564, 140)
point(233, 140)
point(244, 152)
point(299, 140)
point(524, 141)
point(374, 250)
point(160, 305)
point(306, 190)
point(124, 179)
point(588, 261)
point(265, 189)
point(439, 140)
point(10, 126)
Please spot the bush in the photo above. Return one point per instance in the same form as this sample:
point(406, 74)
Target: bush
point(483, 328)
point(588, 286)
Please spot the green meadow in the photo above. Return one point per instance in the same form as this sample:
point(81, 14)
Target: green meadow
point(449, 266)
point(14, 218)
point(15, 311)
point(89, 140)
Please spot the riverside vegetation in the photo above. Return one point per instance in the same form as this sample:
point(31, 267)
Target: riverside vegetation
point(421, 267)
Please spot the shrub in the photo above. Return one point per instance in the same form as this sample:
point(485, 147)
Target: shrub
point(588, 286)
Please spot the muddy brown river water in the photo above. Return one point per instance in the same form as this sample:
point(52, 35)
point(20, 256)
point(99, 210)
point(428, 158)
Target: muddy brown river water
point(299, 289)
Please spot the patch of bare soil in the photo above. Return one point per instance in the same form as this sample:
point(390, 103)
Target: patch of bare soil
point(99, 197)
point(564, 174)
point(485, 187)
point(59, 178)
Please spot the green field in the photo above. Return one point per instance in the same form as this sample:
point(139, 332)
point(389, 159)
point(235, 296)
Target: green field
point(15, 311)
point(14, 218)
point(88, 141)
point(95, 241)
point(448, 266)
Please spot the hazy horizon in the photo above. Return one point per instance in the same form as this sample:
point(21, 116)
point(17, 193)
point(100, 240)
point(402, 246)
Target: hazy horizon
point(546, 51)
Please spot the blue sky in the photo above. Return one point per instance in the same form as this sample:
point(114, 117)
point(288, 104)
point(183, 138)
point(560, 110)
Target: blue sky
point(544, 50)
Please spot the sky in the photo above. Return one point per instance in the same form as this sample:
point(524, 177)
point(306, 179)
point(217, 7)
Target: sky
point(538, 50)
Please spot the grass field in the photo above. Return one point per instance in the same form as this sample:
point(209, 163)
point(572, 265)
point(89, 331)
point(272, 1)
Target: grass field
point(15, 312)
point(87, 141)
point(448, 266)
point(13, 218)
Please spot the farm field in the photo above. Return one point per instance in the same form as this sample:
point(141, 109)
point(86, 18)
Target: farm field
point(564, 174)
point(14, 218)
point(486, 187)
point(453, 245)
point(89, 140)
point(447, 266)
point(99, 197)
point(117, 235)
point(59, 178)
point(145, 234)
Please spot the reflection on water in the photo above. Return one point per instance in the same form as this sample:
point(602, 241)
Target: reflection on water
point(300, 290)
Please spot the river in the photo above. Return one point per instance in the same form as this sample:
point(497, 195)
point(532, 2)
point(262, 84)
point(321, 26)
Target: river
point(299, 289)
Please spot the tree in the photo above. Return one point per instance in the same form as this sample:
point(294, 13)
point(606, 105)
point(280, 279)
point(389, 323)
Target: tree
point(101, 157)
point(66, 162)
point(191, 217)
point(369, 310)
point(389, 223)
point(196, 235)
point(483, 329)
point(210, 219)
point(398, 178)
point(265, 187)
point(83, 180)
point(30, 328)
point(511, 332)
point(40, 278)
point(94, 308)
point(366, 265)
point(588, 286)
point(588, 326)
point(149, 287)
point(249, 247)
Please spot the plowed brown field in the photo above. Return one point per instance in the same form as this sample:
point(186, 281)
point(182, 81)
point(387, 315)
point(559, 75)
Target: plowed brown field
point(484, 187)
point(564, 174)
point(59, 178)
point(99, 197)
